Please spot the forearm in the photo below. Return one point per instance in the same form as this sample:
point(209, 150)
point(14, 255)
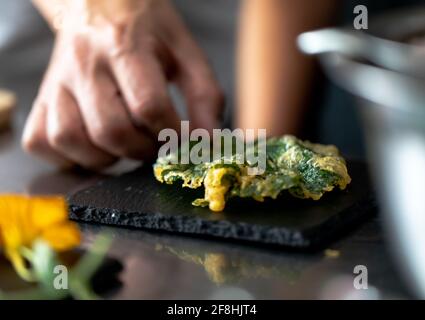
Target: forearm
point(273, 77)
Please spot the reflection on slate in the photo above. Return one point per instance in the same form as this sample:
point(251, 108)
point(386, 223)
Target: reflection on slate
point(137, 200)
point(227, 265)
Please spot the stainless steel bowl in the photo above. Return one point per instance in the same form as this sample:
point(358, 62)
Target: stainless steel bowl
point(392, 106)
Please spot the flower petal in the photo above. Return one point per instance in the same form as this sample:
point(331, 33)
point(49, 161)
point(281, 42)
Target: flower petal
point(48, 211)
point(15, 223)
point(62, 237)
point(23, 220)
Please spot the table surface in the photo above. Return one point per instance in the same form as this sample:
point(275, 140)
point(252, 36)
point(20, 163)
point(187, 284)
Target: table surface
point(166, 266)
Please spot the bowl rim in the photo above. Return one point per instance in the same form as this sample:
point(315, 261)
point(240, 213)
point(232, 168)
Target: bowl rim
point(356, 77)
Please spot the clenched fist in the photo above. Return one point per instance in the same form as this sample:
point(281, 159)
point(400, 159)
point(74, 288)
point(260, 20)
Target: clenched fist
point(104, 95)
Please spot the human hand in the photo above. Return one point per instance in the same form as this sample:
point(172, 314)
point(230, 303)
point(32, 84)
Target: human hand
point(105, 96)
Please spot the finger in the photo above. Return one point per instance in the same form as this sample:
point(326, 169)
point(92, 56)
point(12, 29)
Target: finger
point(195, 78)
point(34, 138)
point(67, 134)
point(143, 85)
point(107, 120)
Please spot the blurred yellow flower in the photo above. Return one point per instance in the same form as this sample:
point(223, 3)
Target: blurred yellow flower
point(24, 220)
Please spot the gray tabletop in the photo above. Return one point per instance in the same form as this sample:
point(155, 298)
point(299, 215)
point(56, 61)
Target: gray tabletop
point(164, 266)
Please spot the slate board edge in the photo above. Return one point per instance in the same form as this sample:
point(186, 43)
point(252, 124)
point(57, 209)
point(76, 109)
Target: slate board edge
point(240, 231)
point(336, 227)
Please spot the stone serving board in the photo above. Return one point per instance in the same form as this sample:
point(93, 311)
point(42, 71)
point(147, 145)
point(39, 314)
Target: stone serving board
point(137, 200)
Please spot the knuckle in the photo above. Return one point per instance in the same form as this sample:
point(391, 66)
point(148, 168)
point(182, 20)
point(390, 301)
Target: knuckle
point(119, 31)
point(60, 137)
point(111, 136)
point(79, 54)
point(151, 43)
point(149, 107)
point(150, 40)
point(42, 96)
point(79, 46)
point(31, 141)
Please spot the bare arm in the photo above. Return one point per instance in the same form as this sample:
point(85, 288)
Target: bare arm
point(273, 76)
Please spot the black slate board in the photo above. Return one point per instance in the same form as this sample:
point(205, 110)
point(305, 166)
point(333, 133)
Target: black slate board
point(137, 200)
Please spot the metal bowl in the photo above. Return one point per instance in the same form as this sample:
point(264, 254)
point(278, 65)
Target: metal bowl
point(392, 106)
